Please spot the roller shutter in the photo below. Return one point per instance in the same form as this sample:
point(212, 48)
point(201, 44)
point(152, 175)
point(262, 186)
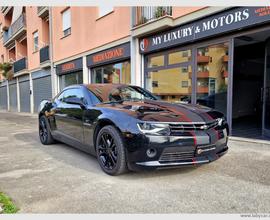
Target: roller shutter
point(25, 96)
point(13, 97)
point(42, 89)
point(3, 97)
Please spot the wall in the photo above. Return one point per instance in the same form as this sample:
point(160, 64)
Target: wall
point(88, 31)
point(35, 23)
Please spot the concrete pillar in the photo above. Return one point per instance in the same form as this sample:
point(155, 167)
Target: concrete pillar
point(85, 71)
point(8, 103)
point(31, 94)
point(18, 95)
point(54, 78)
point(137, 65)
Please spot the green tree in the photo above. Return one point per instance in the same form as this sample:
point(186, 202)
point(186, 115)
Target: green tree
point(6, 69)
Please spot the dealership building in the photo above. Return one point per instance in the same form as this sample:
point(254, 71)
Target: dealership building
point(214, 56)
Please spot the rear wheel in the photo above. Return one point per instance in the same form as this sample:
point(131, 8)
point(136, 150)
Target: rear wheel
point(110, 151)
point(45, 135)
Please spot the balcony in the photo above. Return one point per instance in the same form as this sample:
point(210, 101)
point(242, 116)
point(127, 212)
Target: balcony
point(225, 58)
point(146, 14)
point(203, 59)
point(44, 56)
point(5, 10)
point(201, 74)
point(202, 89)
point(43, 11)
point(16, 30)
point(225, 73)
point(20, 65)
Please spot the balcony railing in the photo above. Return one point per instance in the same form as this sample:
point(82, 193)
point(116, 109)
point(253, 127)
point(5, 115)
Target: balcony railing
point(203, 59)
point(43, 11)
point(14, 29)
point(44, 54)
point(20, 65)
point(148, 13)
point(3, 8)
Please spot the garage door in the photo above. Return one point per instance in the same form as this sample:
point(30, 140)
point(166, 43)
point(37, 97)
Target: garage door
point(42, 89)
point(13, 97)
point(25, 96)
point(3, 97)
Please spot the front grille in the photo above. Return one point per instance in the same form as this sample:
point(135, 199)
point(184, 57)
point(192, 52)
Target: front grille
point(186, 127)
point(176, 156)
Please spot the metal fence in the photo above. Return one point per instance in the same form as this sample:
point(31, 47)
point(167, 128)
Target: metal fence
point(149, 13)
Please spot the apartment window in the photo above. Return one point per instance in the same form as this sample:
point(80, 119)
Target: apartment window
point(184, 84)
point(154, 83)
point(35, 39)
point(103, 10)
point(66, 22)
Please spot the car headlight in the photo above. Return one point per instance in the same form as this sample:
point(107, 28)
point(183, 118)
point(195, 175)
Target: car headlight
point(154, 128)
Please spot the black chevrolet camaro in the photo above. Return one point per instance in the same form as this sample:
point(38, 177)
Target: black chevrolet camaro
point(128, 128)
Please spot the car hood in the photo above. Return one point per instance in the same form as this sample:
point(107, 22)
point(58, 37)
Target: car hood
point(158, 111)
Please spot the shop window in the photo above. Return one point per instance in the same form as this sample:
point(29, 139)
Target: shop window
point(114, 73)
point(155, 83)
point(170, 84)
point(212, 76)
point(35, 41)
point(71, 79)
point(155, 61)
point(180, 57)
point(66, 22)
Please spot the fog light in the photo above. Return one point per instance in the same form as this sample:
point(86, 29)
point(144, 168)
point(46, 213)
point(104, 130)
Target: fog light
point(151, 152)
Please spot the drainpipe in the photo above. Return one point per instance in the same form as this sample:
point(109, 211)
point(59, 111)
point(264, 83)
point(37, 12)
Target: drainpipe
point(53, 75)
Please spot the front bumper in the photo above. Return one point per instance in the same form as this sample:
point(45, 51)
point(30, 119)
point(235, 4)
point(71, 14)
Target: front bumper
point(174, 151)
point(195, 161)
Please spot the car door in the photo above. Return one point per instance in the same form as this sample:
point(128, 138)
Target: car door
point(90, 117)
point(69, 117)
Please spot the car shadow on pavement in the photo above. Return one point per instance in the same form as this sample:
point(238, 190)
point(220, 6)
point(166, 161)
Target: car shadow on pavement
point(77, 158)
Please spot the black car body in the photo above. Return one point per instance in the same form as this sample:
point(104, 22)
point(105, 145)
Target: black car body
point(128, 127)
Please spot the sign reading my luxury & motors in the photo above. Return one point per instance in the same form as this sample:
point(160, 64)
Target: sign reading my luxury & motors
point(216, 24)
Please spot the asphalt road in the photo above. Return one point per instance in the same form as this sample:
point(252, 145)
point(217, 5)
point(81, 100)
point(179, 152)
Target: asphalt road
point(61, 179)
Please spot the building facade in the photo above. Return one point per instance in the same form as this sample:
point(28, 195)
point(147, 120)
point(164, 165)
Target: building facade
point(214, 56)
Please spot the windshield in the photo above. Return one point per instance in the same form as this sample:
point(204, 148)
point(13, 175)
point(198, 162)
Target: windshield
point(119, 93)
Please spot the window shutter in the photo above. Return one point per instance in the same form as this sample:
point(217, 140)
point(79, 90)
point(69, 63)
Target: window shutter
point(66, 20)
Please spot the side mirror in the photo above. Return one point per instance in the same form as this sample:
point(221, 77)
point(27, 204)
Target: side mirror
point(75, 101)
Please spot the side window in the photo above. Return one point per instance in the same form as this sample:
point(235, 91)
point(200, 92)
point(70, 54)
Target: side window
point(74, 93)
point(60, 97)
point(94, 99)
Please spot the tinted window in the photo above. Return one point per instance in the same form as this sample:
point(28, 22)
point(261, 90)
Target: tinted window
point(93, 98)
point(70, 93)
point(116, 92)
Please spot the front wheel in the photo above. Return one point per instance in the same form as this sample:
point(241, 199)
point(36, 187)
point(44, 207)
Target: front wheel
point(110, 151)
point(45, 135)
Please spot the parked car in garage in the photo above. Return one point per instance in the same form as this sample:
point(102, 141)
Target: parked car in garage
point(128, 128)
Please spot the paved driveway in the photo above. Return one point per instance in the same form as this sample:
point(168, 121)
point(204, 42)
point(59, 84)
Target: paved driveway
point(58, 178)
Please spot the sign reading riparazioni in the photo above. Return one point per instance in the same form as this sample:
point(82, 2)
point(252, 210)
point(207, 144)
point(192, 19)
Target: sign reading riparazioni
point(110, 55)
point(213, 25)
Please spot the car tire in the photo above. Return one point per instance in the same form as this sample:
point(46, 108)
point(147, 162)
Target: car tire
point(111, 151)
point(45, 135)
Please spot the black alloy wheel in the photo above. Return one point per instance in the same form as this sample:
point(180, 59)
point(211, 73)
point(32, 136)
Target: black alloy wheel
point(44, 132)
point(110, 151)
